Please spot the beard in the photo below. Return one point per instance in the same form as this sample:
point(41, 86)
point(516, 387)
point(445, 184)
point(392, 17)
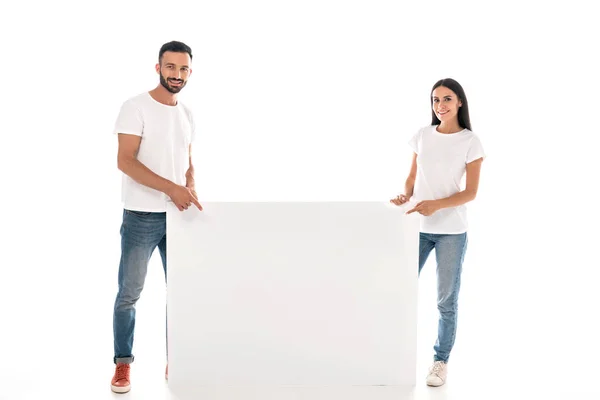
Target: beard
point(173, 89)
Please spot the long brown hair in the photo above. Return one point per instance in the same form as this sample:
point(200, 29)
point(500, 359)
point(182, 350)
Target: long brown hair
point(463, 112)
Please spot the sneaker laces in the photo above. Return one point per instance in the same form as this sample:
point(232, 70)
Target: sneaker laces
point(437, 367)
point(121, 372)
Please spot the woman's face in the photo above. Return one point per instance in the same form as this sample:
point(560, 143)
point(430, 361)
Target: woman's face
point(445, 104)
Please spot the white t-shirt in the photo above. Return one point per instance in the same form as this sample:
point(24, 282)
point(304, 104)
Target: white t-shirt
point(167, 132)
point(441, 166)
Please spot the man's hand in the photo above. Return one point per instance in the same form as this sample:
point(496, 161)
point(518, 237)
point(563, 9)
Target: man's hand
point(183, 197)
point(426, 207)
point(193, 190)
point(399, 200)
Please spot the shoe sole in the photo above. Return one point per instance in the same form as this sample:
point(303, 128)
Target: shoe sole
point(120, 389)
point(435, 385)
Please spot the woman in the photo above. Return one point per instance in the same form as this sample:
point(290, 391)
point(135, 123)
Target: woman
point(443, 152)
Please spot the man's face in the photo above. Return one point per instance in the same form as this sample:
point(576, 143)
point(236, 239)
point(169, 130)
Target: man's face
point(174, 70)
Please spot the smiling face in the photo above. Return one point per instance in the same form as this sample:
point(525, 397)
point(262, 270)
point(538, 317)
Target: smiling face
point(445, 104)
point(174, 70)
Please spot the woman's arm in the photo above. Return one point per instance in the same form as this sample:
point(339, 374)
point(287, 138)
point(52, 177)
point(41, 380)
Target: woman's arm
point(409, 185)
point(428, 207)
point(470, 192)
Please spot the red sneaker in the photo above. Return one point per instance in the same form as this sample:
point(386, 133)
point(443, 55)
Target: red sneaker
point(167, 372)
point(120, 381)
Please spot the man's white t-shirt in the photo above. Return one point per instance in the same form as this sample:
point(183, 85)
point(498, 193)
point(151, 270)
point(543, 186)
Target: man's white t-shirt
point(441, 166)
point(167, 132)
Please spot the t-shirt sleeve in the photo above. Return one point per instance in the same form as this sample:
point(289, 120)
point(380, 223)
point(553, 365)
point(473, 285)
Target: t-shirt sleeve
point(129, 120)
point(475, 150)
point(415, 141)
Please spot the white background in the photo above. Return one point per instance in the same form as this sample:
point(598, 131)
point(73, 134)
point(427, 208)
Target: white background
point(315, 101)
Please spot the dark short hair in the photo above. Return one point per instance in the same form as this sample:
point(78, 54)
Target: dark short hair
point(464, 120)
point(176, 47)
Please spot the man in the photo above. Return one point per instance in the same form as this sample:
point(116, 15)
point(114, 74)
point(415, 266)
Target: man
point(155, 132)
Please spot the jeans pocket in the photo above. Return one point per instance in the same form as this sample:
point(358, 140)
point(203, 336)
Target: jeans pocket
point(140, 213)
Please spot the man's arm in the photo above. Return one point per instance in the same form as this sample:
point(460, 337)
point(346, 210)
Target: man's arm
point(189, 175)
point(127, 162)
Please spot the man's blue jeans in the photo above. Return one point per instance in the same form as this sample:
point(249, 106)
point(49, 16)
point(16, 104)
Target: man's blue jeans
point(450, 252)
point(141, 234)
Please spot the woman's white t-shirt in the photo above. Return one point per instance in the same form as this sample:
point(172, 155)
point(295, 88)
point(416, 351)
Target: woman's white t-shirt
point(441, 164)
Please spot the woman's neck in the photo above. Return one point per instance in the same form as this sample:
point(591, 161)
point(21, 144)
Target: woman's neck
point(449, 127)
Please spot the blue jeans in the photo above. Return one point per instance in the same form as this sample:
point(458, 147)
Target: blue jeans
point(450, 252)
point(141, 234)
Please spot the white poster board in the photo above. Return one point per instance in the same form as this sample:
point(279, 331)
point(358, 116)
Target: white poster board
point(287, 293)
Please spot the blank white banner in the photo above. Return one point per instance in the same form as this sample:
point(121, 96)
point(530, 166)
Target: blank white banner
point(287, 293)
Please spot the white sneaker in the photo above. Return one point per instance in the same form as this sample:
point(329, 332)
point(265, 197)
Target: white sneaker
point(437, 374)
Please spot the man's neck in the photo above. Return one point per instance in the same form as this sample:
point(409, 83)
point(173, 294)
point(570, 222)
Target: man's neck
point(163, 96)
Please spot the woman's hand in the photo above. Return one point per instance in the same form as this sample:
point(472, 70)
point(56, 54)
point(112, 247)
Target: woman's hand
point(426, 207)
point(399, 200)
